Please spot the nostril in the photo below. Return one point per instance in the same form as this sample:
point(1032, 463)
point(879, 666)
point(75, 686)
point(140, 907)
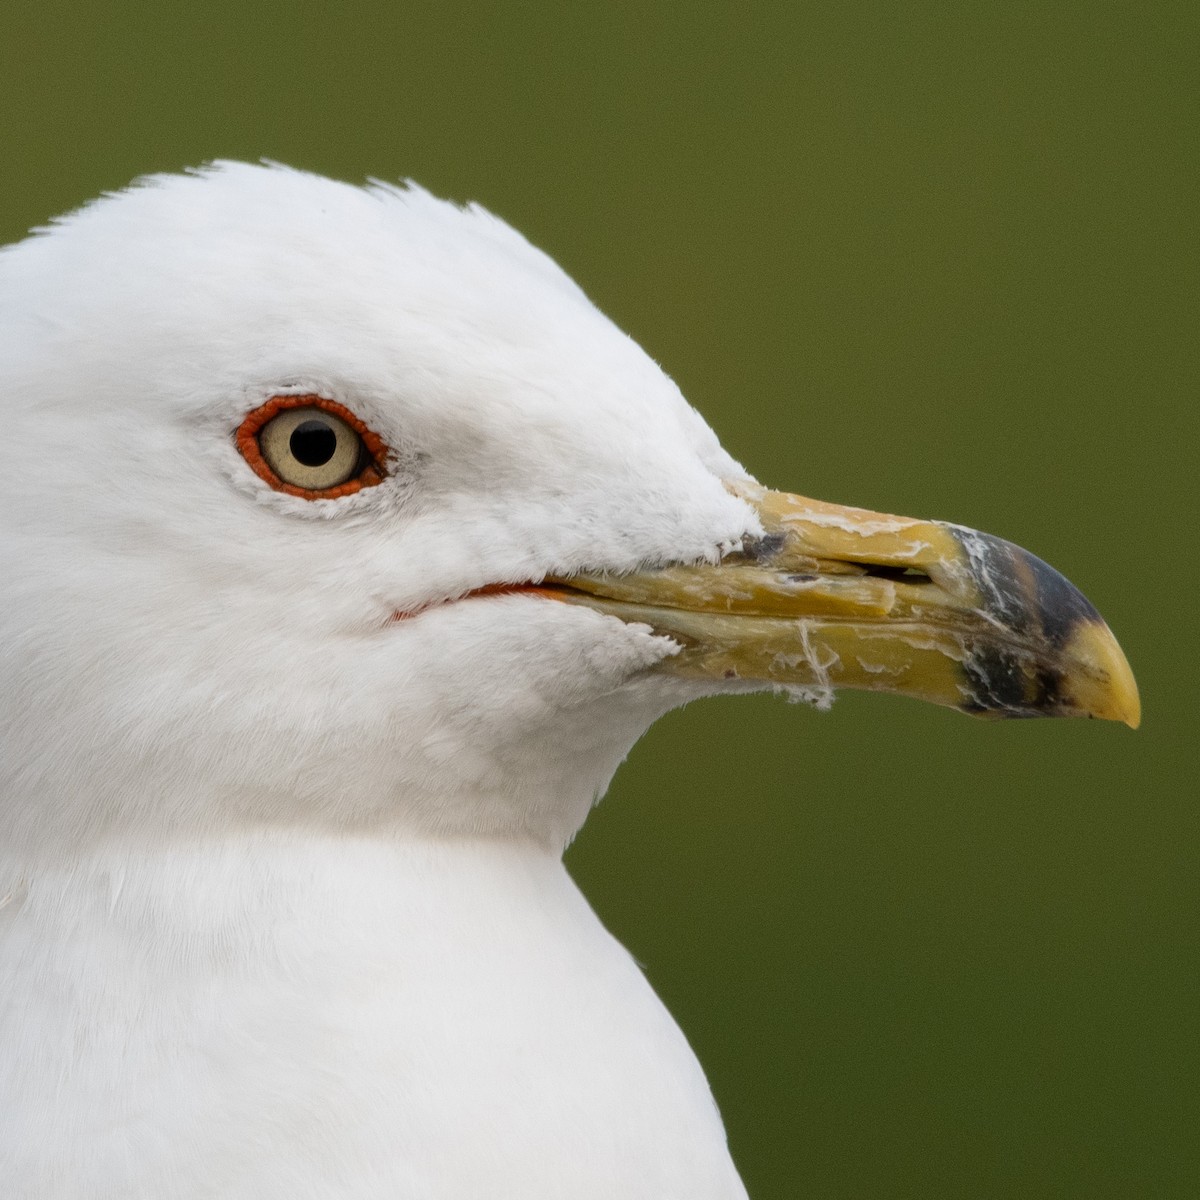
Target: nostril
point(896, 574)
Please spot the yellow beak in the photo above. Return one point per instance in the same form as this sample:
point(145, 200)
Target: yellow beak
point(835, 597)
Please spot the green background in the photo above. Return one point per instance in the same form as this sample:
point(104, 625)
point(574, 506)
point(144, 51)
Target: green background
point(930, 258)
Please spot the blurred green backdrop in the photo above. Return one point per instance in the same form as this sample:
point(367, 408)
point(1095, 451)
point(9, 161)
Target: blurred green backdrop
point(930, 258)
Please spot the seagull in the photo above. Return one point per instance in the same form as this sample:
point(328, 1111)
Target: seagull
point(348, 550)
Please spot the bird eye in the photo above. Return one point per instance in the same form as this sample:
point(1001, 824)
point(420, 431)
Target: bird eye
point(312, 447)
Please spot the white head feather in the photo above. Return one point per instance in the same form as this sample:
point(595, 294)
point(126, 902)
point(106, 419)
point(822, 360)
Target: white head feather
point(188, 650)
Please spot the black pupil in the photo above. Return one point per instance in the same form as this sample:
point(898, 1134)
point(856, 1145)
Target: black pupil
point(312, 443)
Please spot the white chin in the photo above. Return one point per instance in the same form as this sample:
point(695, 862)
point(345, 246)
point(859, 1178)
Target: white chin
point(537, 703)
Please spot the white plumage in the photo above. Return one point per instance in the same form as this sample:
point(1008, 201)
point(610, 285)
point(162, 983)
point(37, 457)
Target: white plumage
point(284, 911)
point(347, 551)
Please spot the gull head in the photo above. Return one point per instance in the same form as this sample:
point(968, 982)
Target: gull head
point(344, 507)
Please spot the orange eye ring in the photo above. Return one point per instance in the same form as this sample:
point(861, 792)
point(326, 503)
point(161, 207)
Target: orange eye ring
point(248, 439)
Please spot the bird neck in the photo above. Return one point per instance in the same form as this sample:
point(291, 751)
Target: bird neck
point(250, 897)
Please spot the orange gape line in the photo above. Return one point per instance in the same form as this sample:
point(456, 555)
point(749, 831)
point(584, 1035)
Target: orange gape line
point(247, 444)
point(491, 589)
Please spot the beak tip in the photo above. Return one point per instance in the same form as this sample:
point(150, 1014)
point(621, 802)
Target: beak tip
point(1105, 686)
